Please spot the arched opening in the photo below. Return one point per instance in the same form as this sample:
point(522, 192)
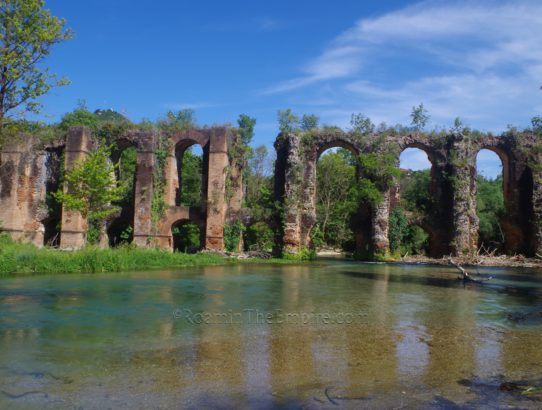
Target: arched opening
point(490, 201)
point(54, 164)
point(336, 204)
point(191, 173)
point(409, 238)
point(120, 229)
point(412, 200)
point(258, 237)
point(186, 236)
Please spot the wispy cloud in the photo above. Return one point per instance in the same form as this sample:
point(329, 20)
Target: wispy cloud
point(480, 60)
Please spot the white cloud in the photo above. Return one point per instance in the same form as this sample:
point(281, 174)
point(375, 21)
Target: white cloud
point(480, 60)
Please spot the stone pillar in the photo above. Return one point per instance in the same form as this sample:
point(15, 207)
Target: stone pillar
point(380, 226)
point(235, 197)
point(308, 212)
point(537, 213)
point(216, 189)
point(74, 226)
point(465, 220)
point(22, 191)
point(143, 193)
point(172, 179)
point(288, 177)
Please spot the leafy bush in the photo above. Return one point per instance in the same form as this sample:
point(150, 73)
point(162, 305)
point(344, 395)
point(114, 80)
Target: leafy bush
point(259, 236)
point(232, 235)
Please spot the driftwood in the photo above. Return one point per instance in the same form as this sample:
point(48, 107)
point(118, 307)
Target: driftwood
point(466, 277)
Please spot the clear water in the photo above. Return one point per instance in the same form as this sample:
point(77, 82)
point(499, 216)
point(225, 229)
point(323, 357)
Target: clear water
point(327, 334)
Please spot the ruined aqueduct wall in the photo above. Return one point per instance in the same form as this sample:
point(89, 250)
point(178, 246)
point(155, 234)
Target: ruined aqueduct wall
point(452, 224)
point(28, 173)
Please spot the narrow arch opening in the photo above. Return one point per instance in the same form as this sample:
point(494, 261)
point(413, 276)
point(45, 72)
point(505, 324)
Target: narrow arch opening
point(186, 236)
point(121, 227)
point(54, 164)
point(412, 204)
point(258, 237)
point(191, 177)
point(336, 203)
point(490, 206)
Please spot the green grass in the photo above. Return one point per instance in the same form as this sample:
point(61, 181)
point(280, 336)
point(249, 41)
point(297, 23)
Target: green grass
point(20, 258)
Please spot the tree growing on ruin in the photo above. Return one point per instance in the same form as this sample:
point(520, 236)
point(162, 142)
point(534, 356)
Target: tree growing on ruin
point(288, 121)
point(246, 128)
point(536, 123)
point(178, 121)
point(361, 124)
point(419, 117)
point(309, 122)
point(28, 32)
point(91, 188)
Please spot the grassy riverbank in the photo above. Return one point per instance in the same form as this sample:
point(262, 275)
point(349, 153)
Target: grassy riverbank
point(18, 258)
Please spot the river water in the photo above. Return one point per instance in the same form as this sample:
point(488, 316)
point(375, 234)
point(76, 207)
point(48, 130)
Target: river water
point(329, 334)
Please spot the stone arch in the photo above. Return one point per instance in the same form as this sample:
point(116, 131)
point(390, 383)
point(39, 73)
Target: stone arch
point(437, 219)
point(258, 235)
point(506, 160)
point(518, 187)
point(215, 163)
point(432, 236)
point(180, 151)
point(183, 241)
point(312, 154)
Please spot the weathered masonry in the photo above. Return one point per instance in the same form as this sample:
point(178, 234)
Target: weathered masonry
point(30, 173)
point(452, 223)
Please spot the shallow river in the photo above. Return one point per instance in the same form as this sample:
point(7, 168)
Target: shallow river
point(330, 334)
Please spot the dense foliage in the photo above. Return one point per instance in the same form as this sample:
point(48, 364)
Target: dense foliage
point(490, 210)
point(91, 189)
point(28, 31)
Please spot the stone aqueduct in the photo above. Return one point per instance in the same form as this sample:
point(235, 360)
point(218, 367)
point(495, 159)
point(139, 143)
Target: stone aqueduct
point(27, 175)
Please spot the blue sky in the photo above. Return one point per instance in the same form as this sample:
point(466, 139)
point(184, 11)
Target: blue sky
point(479, 60)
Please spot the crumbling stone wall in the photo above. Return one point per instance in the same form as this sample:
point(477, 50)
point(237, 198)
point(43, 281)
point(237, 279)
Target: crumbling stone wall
point(23, 182)
point(452, 222)
point(23, 177)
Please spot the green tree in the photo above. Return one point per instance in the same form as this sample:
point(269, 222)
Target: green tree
point(91, 188)
point(361, 124)
point(79, 117)
point(246, 128)
point(186, 237)
point(27, 34)
point(458, 126)
point(288, 122)
point(416, 191)
point(309, 122)
point(420, 117)
point(259, 185)
point(490, 209)
point(398, 226)
point(379, 172)
point(536, 123)
point(336, 199)
point(191, 183)
point(178, 121)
